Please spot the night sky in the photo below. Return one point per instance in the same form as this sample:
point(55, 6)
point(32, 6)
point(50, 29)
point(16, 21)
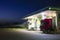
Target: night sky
point(14, 10)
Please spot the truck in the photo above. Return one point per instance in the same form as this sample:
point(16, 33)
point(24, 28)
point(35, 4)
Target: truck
point(47, 25)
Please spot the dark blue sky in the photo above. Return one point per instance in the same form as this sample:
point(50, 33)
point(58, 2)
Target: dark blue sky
point(13, 10)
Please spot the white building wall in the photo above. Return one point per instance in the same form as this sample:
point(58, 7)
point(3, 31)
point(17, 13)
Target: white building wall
point(37, 24)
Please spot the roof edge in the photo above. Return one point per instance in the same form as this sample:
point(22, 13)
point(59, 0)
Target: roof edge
point(43, 9)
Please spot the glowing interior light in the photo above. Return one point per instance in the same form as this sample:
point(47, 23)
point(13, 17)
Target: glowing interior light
point(49, 8)
point(43, 15)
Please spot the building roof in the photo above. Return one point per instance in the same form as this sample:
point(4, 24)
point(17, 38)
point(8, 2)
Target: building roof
point(43, 9)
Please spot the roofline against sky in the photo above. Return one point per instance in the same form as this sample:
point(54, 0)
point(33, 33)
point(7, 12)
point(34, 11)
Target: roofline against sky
point(43, 9)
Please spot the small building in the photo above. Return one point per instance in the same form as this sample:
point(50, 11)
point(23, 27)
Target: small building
point(34, 20)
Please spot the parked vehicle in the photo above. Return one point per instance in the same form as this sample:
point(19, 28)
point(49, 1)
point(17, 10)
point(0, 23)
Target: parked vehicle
point(46, 25)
